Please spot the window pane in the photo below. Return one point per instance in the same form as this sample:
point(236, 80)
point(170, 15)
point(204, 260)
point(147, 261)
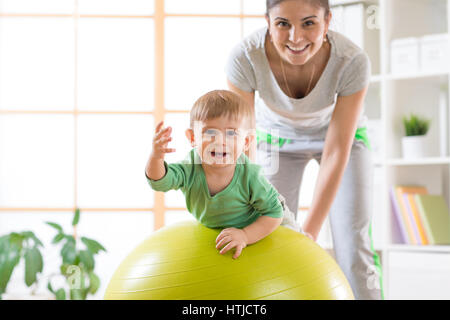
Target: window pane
point(254, 7)
point(117, 7)
point(203, 6)
point(179, 123)
point(112, 153)
point(37, 160)
point(37, 6)
point(250, 25)
point(116, 64)
point(196, 52)
point(37, 63)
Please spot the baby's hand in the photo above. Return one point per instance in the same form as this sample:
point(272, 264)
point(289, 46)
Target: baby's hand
point(160, 141)
point(231, 238)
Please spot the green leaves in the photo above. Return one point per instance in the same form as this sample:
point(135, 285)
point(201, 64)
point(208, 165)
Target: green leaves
point(33, 265)
point(416, 126)
point(87, 259)
point(92, 245)
point(56, 226)
point(77, 265)
point(9, 259)
point(76, 217)
point(60, 294)
point(69, 252)
point(13, 247)
point(94, 282)
point(58, 238)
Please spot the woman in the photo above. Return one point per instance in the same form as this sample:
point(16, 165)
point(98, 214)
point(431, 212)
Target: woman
point(311, 85)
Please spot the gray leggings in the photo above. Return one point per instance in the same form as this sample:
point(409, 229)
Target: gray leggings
point(350, 215)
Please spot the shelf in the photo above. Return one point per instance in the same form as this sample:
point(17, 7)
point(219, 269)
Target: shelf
point(418, 162)
point(412, 248)
point(417, 75)
point(409, 76)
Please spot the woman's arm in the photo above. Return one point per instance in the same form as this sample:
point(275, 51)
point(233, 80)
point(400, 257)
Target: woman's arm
point(338, 144)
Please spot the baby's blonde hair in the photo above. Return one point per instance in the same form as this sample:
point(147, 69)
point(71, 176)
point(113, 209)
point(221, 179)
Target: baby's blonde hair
point(218, 103)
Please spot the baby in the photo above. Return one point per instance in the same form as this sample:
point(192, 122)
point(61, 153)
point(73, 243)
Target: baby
point(223, 189)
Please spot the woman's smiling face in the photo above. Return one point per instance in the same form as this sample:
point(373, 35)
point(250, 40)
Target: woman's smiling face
point(297, 30)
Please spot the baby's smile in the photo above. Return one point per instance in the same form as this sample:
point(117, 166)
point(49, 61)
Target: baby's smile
point(219, 154)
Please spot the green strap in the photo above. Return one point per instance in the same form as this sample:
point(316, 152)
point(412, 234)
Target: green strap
point(361, 134)
point(270, 139)
point(376, 260)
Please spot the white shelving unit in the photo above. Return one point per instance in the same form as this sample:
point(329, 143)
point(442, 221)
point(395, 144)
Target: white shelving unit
point(409, 272)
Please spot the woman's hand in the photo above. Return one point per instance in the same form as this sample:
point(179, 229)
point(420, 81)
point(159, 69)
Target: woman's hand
point(231, 238)
point(309, 235)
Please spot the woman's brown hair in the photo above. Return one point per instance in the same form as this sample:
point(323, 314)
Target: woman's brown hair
point(320, 3)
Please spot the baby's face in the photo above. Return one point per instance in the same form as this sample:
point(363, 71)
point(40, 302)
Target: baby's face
point(221, 141)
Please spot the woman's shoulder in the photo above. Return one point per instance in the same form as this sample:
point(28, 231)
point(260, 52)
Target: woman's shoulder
point(344, 47)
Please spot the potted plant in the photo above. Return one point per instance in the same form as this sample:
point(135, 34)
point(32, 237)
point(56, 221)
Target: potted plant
point(77, 265)
point(13, 248)
point(414, 144)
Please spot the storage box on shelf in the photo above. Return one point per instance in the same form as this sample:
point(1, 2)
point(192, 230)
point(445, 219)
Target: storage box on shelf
point(425, 55)
point(405, 55)
point(434, 52)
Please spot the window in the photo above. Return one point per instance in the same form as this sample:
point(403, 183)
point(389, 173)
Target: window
point(82, 84)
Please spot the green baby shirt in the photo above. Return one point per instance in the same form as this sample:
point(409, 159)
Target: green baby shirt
point(248, 196)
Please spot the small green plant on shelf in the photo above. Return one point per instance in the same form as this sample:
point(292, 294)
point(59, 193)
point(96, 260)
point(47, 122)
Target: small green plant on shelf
point(14, 247)
point(78, 265)
point(416, 125)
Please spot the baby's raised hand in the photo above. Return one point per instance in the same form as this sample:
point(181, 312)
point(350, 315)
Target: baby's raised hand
point(160, 141)
point(231, 238)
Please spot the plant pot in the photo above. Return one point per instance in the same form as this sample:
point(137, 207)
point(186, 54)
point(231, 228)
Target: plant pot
point(414, 147)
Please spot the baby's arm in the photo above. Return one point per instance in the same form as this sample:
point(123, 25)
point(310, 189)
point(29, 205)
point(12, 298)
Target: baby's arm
point(155, 169)
point(240, 238)
point(261, 228)
point(264, 198)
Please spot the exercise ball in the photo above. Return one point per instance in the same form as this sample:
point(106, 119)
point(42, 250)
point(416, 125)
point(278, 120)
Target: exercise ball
point(180, 262)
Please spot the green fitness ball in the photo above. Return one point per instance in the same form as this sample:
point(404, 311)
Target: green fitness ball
point(180, 262)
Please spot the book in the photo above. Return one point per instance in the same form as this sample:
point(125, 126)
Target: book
point(408, 218)
point(409, 213)
point(412, 208)
point(402, 232)
point(435, 215)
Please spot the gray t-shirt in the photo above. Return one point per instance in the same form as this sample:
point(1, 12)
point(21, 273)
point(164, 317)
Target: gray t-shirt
point(347, 72)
